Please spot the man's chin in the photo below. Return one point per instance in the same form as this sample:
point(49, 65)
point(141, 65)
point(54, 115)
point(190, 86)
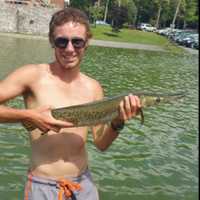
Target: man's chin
point(70, 65)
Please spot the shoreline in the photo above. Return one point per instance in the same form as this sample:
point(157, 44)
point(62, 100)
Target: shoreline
point(93, 42)
point(23, 35)
point(101, 43)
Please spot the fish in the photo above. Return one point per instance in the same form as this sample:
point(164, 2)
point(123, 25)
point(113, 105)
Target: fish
point(105, 110)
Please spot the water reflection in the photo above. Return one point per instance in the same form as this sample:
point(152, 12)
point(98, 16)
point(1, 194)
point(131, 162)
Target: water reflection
point(154, 161)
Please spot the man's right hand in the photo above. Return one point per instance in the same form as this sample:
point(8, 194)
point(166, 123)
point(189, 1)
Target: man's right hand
point(41, 118)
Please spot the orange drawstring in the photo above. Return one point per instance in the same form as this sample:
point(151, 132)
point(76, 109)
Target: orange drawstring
point(67, 187)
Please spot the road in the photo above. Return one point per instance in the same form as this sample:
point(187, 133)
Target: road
point(136, 46)
point(106, 43)
point(126, 45)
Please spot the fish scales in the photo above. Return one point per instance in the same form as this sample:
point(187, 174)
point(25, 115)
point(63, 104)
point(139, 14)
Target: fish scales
point(91, 114)
point(103, 111)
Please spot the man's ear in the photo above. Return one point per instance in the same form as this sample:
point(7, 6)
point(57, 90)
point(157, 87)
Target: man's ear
point(87, 44)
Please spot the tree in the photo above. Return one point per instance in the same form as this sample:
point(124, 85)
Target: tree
point(191, 14)
point(119, 16)
point(161, 13)
point(81, 4)
point(96, 12)
point(146, 11)
point(125, 9)
point(176, 13)
point(131, 11)
point(106, 10)
point(160, 4)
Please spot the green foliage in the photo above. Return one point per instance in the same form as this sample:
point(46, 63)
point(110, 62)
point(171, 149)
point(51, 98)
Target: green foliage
point(119, 16)
point(81, 4)
point(96, 13)
point(132, 12)
point(191, 12)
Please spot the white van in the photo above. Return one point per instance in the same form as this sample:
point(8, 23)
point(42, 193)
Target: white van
point(146, 27)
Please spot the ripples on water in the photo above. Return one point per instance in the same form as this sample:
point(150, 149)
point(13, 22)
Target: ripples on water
point(156, 161)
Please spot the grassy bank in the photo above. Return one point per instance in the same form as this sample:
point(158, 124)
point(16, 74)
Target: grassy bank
point(101, 32)
point(125, 35)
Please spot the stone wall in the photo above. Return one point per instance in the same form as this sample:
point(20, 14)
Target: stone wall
point(25, 19)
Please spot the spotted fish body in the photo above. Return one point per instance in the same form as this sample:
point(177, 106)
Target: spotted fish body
point(103, 111)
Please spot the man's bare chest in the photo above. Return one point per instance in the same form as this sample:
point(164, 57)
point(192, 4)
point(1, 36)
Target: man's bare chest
point(58, 94)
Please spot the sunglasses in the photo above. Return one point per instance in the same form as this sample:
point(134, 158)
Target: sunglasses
point(62, 42)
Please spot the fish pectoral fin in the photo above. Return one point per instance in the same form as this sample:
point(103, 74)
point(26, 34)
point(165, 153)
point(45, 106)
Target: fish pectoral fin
point(141, 113)
point(28, 125)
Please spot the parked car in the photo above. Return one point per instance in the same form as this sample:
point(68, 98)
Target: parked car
point(196, 44)
point(192, 41)
point(186, 37)
point(189, 40)
point(146, 27)
point(99, 22)
point(180, 37)
point(174, 33)
point(164, 31)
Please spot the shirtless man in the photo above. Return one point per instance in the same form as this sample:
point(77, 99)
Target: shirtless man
point(59, 162)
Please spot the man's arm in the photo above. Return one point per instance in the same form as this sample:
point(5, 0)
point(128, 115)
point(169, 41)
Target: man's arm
point(16, 84)
point(13, 85)
point(104, 135)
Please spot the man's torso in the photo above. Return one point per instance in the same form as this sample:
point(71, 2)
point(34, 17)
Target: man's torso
point(58, 154)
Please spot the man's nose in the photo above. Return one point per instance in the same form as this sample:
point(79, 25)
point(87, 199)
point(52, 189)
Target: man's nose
point(69, 46)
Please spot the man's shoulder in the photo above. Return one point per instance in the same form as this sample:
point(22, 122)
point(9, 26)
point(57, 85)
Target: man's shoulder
point(94, 86)
point(33, 67)
point(26, 73)
point(91, 81)
point(30, 69)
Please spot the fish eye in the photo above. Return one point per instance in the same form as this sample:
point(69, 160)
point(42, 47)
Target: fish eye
point(157, 99)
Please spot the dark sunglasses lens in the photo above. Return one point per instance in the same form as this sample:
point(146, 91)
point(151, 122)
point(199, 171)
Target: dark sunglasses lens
point(78, 42)
point(61, 42)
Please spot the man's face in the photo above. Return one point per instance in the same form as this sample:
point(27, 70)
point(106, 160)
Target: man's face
point(70, 44)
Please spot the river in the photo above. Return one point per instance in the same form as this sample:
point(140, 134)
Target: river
point(156, 161)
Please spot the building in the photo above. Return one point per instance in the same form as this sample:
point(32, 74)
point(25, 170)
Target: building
point(45, 3)
point(59, 3)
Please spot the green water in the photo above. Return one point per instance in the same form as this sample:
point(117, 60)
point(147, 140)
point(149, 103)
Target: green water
point(156, 161)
